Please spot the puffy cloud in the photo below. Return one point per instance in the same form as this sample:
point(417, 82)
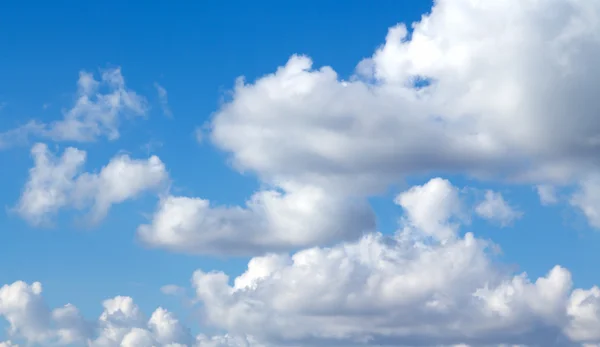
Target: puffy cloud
point(49, 183)
point(58, 182)
point(23, 307)
point(121, 324)
point(410, 289)
point(271, 220)
point(163, 99)
point(496, 209)
point(429, 207)
point(584, 310)
point(427, 285)
point(488, 88)
point(514, 101)
point(166, 328)
point(98, 110)
point(502, 89)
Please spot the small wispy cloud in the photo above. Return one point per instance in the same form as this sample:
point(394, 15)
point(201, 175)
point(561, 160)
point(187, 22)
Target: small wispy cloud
point(172, 289)
point(547, 194)
point(496, 209)
point(20, 135)
point(95, 114)
point(199, 135)
point(163, 99)
point(150, 146)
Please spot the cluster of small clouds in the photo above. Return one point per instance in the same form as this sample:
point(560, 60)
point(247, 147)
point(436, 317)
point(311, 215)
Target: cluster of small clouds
point(495, 90)
point(121, 323)
point(427, 285)
point(271, 221)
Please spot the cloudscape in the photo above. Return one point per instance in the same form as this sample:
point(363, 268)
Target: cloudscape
point(272, 174)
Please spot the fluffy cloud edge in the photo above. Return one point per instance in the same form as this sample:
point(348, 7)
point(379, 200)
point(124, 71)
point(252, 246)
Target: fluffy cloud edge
point(56, 183)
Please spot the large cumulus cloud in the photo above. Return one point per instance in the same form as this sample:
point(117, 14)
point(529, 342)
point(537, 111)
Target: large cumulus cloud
point(512, 85)
point(493, 89)
point(428, 285)
point(497, 90)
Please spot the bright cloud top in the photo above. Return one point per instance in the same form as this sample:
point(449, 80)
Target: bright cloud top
point(502, 89)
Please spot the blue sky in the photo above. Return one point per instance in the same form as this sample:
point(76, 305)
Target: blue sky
point(196, 52)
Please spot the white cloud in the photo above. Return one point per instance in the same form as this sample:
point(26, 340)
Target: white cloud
point(58, 182)
point(96, 114)
point(20, 135)
point(99, 107)
point(172, 289)
point(23, 307)
point(587, 199)
point(496, 209)
point(584, 311)
point(511, 95)
point(50, 182)
point(121, 324)
point(430, 206)
point(482, 113)
point(547, 194)
point(163, 99)
point(271, 220)
point(409, 289)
